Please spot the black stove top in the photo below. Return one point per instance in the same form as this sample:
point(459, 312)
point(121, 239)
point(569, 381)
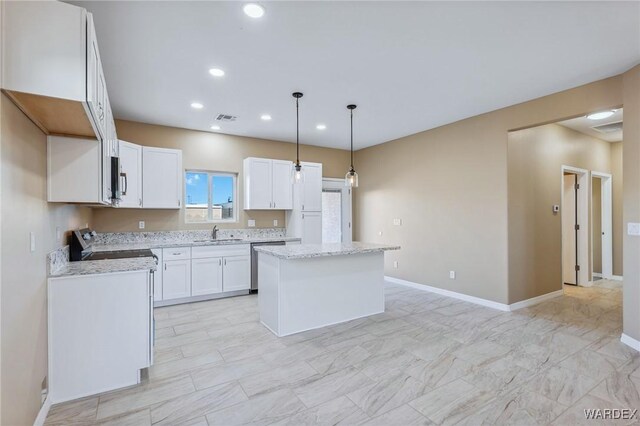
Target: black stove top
point(120, 254)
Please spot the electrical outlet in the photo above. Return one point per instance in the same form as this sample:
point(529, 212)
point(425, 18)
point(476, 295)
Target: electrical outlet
point(251, 223)
point(452, 275)
point(275, 222)
point(397, 222)
point(141, 224)
point(395, 263)
point(58, 235)
point(633, 228)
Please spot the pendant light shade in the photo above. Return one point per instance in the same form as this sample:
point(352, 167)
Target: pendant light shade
point(351, 178)
point(298, 176)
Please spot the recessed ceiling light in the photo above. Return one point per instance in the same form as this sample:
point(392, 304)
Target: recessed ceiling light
point(214, 127)
point(600, 115)
point(253, 10)
point(216, 72)
point(196, 105)
point(265, 117)
point(321, 126)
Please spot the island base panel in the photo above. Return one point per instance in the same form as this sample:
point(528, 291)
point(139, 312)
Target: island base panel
point(303, 294)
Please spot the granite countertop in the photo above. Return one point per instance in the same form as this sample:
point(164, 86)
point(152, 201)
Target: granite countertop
point(106, 266)
point(307, 251)
point(183, 243)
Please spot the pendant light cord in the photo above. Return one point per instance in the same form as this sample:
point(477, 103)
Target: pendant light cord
point(297, 134)
point(352, 139)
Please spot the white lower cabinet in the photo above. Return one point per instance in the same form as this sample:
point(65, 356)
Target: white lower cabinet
point(201, 271)
point(206, 276)
point(100, 330)
point(176, 279)
point(311, 228)
point(236, 273)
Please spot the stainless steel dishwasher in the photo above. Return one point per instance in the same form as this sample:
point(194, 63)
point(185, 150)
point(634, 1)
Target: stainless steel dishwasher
point(254, 262)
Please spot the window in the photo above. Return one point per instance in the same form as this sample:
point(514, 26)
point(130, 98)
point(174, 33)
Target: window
point(210, 197)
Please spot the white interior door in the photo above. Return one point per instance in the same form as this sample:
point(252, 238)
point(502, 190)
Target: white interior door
point(569, 258)
point(606, 223)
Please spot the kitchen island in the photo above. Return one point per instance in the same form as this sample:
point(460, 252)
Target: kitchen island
point(309, 286)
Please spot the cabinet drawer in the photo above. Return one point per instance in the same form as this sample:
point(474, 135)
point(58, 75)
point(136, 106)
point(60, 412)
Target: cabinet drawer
point(201, 252)
point(176, 253)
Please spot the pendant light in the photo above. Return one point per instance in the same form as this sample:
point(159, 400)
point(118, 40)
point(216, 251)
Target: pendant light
point(351, 178)
point(297, 172)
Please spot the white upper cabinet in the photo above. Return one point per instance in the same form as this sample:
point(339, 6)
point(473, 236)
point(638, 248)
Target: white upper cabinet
point(309, 191)
point(311, 228)
point(161, 178)
point(267, 184)
point(282, 189)
point(257, 183)
point(130, 175)
point(51, 67)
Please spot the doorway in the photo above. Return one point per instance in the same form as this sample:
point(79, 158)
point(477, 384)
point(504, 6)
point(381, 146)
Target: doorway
point(336, 211)
point(602, 226)
point(575, 221)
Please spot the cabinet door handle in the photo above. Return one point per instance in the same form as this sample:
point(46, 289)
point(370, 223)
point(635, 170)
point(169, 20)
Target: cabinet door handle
point(225, 261)
point(179, 201)
point(303, 207)
point(126, 183)
point(274, 204)
point(165, 266)
point(140, 201)
point(220, 262)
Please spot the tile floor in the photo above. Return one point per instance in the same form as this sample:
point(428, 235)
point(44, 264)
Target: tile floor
point(428, 359)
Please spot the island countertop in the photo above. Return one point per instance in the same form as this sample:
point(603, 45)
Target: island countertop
point(307, 251)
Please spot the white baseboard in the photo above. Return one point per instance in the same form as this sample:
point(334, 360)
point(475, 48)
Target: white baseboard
point(477, 300)
point(449, 293)
point(535, 300)
point(630, 341)
point(616, 277)
point(597, 274)
point(42, 414)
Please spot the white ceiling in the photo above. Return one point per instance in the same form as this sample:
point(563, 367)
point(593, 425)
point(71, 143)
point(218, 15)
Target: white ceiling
point(585, 125)
point(410, 66)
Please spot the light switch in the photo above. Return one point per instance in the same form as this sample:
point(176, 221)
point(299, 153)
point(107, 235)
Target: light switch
point(58, 235)
point(397, 222)
point(633, 228)
point(452, 275)
point(251, 223)
point(141, 224)
point(32, 241)
point(275, 222)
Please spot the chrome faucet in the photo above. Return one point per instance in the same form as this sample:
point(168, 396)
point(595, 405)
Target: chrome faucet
point(214, 232)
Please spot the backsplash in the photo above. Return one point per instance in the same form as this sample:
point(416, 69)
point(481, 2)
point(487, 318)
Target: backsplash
point(57, 259)
point(191, 235)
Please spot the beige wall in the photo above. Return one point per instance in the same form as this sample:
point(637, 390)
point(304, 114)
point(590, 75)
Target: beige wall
point(536, 156)
point(449, 187)
point(596, 223)
point(617, 195)
point(25, 209)
point(631, 160)
point(210, 151)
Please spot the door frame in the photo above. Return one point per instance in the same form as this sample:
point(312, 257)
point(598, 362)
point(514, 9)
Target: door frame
point(347, 208)
point(583, 220)
point(607, 222)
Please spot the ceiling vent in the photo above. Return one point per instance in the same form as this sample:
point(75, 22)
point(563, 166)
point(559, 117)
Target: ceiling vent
point(226, 117)
point(609, 128)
